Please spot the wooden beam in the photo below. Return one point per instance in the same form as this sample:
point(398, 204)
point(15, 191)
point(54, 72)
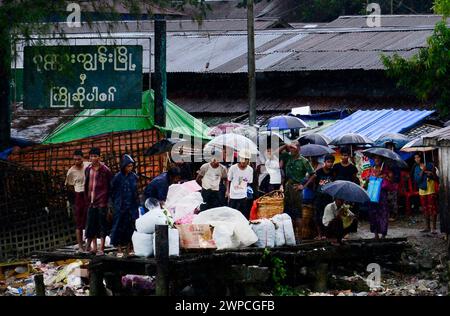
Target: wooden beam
point(162, 260)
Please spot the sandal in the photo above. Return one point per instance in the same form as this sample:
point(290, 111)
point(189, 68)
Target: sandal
point(119, 255)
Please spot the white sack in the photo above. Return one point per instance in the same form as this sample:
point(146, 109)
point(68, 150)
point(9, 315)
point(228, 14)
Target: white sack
point(284, 231)
point(142, 244)
point(242, 231)
point(265, 230)
point(174, 242)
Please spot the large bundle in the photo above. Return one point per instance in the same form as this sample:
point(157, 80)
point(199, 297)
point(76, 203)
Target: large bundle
point(270, 204)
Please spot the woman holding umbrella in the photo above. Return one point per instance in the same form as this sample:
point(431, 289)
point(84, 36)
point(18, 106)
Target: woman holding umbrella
point(425, 177)
point(379, 210)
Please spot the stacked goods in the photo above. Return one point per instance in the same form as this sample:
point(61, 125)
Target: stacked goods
point(231, 228)
point(196, 236)
point(144, 238)
point(270, 204)
point(265, 230)
point(284, 230)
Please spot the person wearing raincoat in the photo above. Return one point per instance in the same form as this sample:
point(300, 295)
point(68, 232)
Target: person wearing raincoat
point(125, 199)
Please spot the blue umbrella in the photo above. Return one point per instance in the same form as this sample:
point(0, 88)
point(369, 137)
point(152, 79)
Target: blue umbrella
point(347, 191)
point(312, 150)
point(399, 140)
point(284, 122)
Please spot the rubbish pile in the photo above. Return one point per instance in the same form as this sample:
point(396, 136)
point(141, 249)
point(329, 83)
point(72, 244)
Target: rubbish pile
point(61, 278)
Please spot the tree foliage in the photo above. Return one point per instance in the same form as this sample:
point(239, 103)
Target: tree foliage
point(442, 7)
point(427, 74)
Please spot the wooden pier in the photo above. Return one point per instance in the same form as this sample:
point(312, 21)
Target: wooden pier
point(227, 272)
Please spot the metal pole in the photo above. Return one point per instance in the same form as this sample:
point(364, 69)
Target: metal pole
point(160, 70)
point(251, 63)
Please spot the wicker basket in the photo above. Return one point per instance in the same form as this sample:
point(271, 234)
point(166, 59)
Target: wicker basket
point(270, 204)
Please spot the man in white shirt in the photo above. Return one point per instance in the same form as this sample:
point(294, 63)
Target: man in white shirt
point(339, 220)
point(75, 185)
point(240, 176)
point(209, 177)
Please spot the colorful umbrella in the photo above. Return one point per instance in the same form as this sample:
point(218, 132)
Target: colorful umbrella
point(223, 128)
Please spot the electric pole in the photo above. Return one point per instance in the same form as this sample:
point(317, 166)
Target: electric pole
point(251, 63)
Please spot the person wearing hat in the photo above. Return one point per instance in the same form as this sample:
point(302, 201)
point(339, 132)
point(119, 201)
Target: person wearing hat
point(240, 175)
point(75, 180)
point(97, 190)
point(159, 186)
point(124, 193)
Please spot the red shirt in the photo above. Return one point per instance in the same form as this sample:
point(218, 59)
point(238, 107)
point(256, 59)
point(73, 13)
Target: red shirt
point(97, 185)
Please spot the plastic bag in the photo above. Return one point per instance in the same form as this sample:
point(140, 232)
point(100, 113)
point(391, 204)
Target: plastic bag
point(174, 242)
point(183, 199)
point(284, 231)
point(142, 244)
point(242, 231)
point(224, 237)
point(146, 223)
point(265, 230)
point(374, 188)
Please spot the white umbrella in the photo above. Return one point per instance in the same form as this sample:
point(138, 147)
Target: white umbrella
point(417, 145)
point(234, 141)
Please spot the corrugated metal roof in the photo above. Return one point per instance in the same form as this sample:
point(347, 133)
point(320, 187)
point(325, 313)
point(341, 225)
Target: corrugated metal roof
point(276, 50)
point(360, 21)
point(442, 134)
point(223, 105)
point(221, 25)
point(375, 123)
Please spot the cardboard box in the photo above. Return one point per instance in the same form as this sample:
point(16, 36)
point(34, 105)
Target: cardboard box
point(81, 272)
point(196, 236)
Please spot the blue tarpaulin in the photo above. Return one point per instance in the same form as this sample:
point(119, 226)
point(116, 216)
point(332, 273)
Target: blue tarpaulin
point(375, 123)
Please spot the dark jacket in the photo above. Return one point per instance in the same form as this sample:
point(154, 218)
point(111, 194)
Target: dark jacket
point(158, 187)
point(124, 192)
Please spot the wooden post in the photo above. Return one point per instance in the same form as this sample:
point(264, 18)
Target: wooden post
point(39, 284)
point(162, 260)
point(160, 70)
point(96, 287)
point(251, 63)
point(321, 277)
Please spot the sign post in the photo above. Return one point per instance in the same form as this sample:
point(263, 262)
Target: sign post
point(86, 77)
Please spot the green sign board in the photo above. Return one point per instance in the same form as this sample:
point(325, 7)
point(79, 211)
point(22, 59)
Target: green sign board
point(89, 77)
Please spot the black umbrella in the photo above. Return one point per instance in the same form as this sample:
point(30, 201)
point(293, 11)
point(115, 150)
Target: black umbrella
point(163, 146)
point(385, 153)
point(314, 138)
point(347, 191)
point(351, 139)
point(312, 150)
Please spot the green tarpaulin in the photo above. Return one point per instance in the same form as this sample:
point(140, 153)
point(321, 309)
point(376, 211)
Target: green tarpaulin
point(96, 122)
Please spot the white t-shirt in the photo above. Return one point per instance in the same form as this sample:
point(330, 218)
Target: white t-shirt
point(212, 176)
point(239, 181)
point(76, 177)
point(273, 169)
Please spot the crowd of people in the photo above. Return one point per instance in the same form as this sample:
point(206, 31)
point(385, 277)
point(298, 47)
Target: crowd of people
point(236, 184)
